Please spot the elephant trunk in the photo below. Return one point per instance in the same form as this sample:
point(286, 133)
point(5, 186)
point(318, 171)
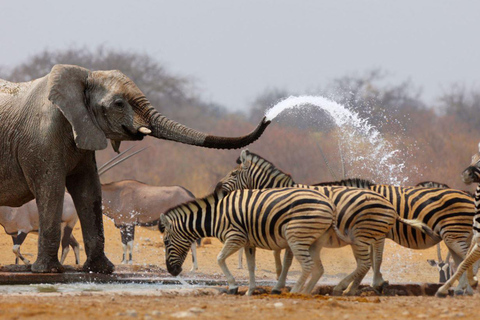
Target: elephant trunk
point(164, 128)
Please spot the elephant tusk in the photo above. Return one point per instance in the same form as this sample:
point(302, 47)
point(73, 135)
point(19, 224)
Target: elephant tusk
point(144, 130)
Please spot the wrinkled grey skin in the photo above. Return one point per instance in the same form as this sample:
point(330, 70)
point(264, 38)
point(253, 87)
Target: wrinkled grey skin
point(49, 131)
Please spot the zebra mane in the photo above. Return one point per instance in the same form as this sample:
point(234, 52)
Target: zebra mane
point(353, 182)
point(266, 165)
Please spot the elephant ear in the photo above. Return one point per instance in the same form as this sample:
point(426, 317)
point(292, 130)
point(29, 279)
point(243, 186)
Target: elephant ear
point(66, 85)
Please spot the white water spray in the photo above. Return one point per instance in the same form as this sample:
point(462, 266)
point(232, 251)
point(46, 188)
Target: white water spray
point(365, 148)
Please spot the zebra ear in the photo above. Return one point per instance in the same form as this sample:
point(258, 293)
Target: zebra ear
point(244, 154)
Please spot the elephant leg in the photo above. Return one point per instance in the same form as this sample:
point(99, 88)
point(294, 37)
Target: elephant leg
point(67, 232)
point(17, 242)
point(76, 248)
point(128, 236)
point(84, 187)
point(49, 198)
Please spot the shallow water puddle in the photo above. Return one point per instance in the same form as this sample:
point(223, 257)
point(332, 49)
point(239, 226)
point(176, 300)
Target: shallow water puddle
point(90, 287)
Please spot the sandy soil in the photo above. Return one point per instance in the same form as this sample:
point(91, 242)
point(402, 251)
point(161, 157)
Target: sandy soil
point(400, 265)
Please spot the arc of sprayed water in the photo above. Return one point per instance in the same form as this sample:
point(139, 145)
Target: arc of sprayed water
point(382, 154)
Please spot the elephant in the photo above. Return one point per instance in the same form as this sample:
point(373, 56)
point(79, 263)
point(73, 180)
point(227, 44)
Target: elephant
point(50, 129)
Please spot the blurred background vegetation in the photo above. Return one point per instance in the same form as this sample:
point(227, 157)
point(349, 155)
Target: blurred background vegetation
point(438, 136)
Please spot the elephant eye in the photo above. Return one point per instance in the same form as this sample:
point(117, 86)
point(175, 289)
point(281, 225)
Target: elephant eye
point(119, 103)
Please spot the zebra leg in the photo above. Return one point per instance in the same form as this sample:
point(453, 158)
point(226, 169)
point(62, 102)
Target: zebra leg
point(376, 255)
point(317, 271)
point(67, 232)
point(472, 257)
point(459, 251)
point(230, 246)
point(17, 242)
point(278, 262)
point(76, 248)
point(287, 262)
point(250, 254)
point(466, 280)
point(301, 252)
point(194, 257)
point(240, 258)
point(362, 255)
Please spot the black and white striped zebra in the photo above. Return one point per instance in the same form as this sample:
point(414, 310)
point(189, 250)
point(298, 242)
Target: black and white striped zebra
point(364, 216)
point(269, 219)
point(447, 212)
point(470, 175)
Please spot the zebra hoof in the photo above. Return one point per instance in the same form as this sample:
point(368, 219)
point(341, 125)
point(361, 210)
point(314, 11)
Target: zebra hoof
point(337, 293)
point(232, 291)
point(381, 288)
point(474, 285)
point(459, 293)
point(276, 291)
point(440, 294)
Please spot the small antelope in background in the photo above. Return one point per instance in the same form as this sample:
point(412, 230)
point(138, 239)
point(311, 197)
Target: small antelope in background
point(131, 203)
point(19, 222)
point(446, 268)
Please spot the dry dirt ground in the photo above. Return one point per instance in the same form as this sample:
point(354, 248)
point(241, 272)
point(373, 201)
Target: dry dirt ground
point(400, 266)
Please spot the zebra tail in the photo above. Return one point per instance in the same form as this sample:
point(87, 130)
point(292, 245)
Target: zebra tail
point(419, 225)
point(339, 234)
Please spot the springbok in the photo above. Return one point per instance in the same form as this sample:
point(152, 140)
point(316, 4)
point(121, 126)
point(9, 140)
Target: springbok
point(18, 222)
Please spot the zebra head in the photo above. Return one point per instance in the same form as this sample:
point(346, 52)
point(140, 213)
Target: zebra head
point(472, 173)
point(238, 178)
point(255, 172)
point(176, 247)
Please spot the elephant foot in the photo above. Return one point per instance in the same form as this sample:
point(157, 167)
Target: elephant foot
point(47, 266)
point(232, 290)
point(99, 265)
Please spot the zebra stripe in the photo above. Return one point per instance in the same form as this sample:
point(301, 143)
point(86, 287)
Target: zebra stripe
point(253, 170)
point(471, 174)
point(269, 219)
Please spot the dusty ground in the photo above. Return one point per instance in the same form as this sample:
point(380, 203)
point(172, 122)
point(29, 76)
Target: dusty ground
point(400, 265)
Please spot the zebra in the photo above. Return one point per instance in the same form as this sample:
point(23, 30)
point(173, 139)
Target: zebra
point(268, 219)
point(469, 175)
point(363, 215)
point(447, 212)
